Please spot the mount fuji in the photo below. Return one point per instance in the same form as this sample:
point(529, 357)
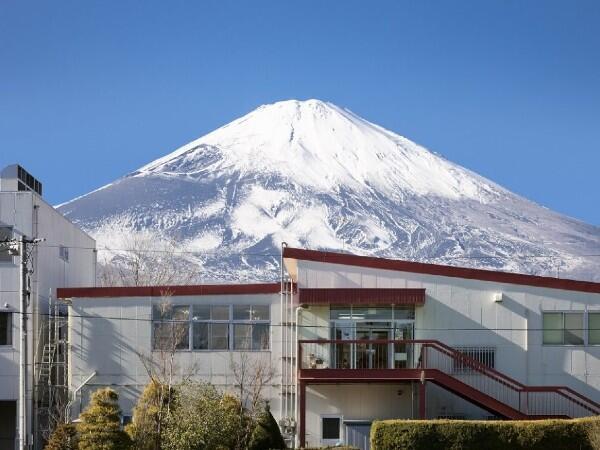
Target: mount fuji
point(318, 176)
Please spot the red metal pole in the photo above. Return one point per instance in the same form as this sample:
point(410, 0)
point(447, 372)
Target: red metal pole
point(302, 413)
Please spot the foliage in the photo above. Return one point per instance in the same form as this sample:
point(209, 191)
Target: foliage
point(266, 434)
point(100, 426)
point(201, 418)
point(473, 435)
point(149, 415)
point(64, 437)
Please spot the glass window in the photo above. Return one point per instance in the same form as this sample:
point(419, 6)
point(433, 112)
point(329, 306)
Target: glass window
point(563, 328)
point(331, 427)
point(553, 328)
point(340, 313)
point(260, 336)
point(5, 234)
point(242, 337)
point(404, 313)
point(171, 336)
point(201, 312)
point(219, 312)
point(5, 328)
point(181, 312)
point(200, 335)
point(574, 328)
point(261, 312)
point(219, 336)
point(594, 328)
point(371, 313)
point(241, 312)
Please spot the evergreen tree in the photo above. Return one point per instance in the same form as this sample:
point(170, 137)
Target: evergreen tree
point(266, 434)
point(64, 437)
point(149, 416)
point(100, 426)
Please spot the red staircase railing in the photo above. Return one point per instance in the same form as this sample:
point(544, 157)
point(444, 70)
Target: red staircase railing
point(451, 369)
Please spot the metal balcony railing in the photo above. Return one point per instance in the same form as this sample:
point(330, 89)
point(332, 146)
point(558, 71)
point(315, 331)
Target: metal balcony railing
point(446, 366)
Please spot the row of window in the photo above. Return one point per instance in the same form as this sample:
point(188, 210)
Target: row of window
point(211, 327)
point(571, 328)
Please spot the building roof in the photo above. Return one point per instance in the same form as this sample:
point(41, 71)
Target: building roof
point(440, 270)
point(160, 291)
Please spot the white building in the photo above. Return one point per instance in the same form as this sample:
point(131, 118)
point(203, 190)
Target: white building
point(376, 339)
point(66, 257)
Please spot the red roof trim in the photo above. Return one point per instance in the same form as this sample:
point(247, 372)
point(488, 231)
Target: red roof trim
point(159, 291)
point(441, 270)
point(358, 296)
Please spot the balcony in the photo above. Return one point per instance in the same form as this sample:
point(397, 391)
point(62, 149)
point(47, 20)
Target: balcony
point(358, 361)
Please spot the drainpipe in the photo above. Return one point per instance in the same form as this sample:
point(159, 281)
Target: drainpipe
point(296, 438)
point(282, 335)
point(74, 396)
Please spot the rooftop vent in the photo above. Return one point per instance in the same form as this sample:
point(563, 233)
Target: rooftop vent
point(15, 178)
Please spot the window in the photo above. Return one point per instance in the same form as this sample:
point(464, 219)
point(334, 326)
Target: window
point(5, 328)
point(211, 327)
point(251, 327)
point(171, 329)
point(483, 355)
point(6, 233)
point(594, 328)
point(330, 428)
point(563, 328)
point(63, 253)
point(349, 312)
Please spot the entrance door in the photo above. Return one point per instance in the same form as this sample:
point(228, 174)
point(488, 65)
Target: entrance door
point(403, 353)
point(358, 434)
point(342, 355)
point(376, 355)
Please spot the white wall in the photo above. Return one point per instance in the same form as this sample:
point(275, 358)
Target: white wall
point(107, 335)
point(356, 402)
point(461, 312)
point(28, 214)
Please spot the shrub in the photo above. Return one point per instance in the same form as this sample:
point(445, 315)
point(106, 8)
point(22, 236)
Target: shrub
point(266, 434)
point(474, 435)
point(149, 416)
point(64, 437)
point(100, 426)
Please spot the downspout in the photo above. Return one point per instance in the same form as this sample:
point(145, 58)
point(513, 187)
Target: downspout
point(282, 331)
point(296, 440)
point(74, 396)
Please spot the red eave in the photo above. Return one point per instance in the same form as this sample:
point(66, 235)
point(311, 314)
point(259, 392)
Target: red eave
point(358, 296)
point(159, 291)
point(440, 270)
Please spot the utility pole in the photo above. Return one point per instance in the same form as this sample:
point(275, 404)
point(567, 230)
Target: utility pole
point(24, 292)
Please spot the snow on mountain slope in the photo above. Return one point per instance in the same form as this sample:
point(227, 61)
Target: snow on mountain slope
point(317, 176)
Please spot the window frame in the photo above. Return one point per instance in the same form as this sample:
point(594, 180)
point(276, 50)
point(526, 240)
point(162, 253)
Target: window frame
point(327, 441)
point(159, 317)
point(9, 329)
point(584, 330)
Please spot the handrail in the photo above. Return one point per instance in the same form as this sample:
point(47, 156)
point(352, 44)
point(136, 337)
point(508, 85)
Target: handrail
point(514, 385)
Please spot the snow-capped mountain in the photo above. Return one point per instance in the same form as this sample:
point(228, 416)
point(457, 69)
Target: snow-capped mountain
point(318, 176)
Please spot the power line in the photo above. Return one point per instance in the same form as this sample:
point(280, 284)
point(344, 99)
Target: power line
point(138, 319)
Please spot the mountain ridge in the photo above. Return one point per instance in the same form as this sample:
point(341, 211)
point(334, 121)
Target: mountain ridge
point(316, 175)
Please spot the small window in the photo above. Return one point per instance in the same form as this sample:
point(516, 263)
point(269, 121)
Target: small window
point(330, 428)
point(594, 328)
point(6, 234)
point(219, 312)
point(219, 336)
point(171, 336)
point(5, 328)
point(563, 328)
point(63, 253)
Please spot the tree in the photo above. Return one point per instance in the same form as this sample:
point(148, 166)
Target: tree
point(266, 434)
point(149, 416)
point(145, 258)
point(64, 437)
point(100, 426)
point(201, 418)
point(251, 374)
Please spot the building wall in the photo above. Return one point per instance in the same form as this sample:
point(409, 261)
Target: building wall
point(28, 214)
point(356, 402)
point(110, 336)
point(461, 312)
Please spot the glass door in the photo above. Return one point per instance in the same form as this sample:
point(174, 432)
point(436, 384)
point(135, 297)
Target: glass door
point(375, 355)
point(342, 354)
point(403, 353)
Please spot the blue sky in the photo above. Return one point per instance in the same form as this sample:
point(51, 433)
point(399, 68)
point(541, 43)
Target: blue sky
point(91, 90)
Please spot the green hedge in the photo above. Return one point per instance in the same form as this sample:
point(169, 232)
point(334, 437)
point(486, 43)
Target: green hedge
point(580, 434)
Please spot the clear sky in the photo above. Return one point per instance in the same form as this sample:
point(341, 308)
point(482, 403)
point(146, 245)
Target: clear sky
point(91, 90)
